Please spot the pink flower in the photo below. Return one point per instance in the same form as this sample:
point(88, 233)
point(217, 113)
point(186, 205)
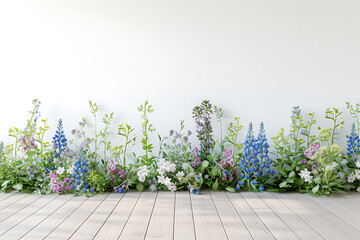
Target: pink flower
point(32, 142)
point(315, 146)
point(307, 153)
point(54, 187)
point(60, 184)
point(22, 140)
point(111, 161)
point(228, 152)
point(231, 162)
point(52, 175)
point(310, 152)
point(26, 148)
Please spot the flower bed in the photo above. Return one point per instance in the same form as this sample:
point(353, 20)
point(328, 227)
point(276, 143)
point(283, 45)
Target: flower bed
point(300, 160)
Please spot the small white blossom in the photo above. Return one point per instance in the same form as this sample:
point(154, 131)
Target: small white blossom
point(358, 163)
point(70, 170)
point(142, 173)
point(180, 175)
point(351, 178)
point(60, 170)
point(306, 175)
point(357, 173)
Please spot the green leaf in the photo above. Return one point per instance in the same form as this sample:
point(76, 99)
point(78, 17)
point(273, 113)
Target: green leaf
point(215, 185)
point(283, 184)
point(291, 174)
point(209, 157)
point(204, 164)
point(214, 171)
point(282, 172)
point(18, 186)
point(140, 187)
point(317, 180)
point(315, 189)
point(230, 189)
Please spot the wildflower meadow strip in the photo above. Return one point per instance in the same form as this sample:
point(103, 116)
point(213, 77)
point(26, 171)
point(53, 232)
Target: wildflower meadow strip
point(304, 158)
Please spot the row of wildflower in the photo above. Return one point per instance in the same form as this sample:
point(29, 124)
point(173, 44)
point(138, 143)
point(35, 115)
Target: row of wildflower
point(303, 159)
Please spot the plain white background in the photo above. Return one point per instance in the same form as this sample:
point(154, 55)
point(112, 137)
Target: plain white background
point(256, 59)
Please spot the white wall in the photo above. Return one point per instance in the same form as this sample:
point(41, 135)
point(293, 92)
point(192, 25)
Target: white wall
point(256, 59)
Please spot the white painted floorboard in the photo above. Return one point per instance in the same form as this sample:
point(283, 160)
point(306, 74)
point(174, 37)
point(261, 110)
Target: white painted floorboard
point(181, 215)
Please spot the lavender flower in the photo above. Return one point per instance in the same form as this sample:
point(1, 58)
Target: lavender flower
point(202, 117)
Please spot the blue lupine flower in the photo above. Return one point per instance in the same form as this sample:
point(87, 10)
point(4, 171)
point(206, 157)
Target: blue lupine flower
point(353, 143)
point(237, 187)
point(261, 188)
point(198, 192)
point(51, 167)
point(47, 170)
point(59, 140)
point(80, 173)
point(255, 162)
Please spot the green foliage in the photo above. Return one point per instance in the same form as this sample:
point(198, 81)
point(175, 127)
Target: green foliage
point(355, 113)
point(147, 128)
point(289, 150)
point(125, 131)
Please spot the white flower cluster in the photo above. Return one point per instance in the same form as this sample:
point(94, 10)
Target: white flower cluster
point(60, 170)
point(352, 177)
point(180, 175)
point(164, 167)
point(167, 182)
point(331, 167)
point(358, 163)
point(143, 171)
point(356, 175)
point(306, 175)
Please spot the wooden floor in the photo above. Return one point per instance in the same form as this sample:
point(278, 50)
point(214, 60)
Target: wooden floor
point(180, 215)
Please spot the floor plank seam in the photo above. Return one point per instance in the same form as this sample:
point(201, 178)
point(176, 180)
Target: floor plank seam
point(324, 220)
point(297, 215)
point(278, 216)
point(87, 198)
point(24, 195)
point(127, 220)
point(47, 217)
point(152, 210)
point(222, 224)
point(272, 235)
point(30, 214)
point(174, 213)
point(108, 216)
point(320, 216)
point(192, 215)
point(344, 209)
point(21, 208)
point(232, 204)
point(89, 215)
point(7, 196)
